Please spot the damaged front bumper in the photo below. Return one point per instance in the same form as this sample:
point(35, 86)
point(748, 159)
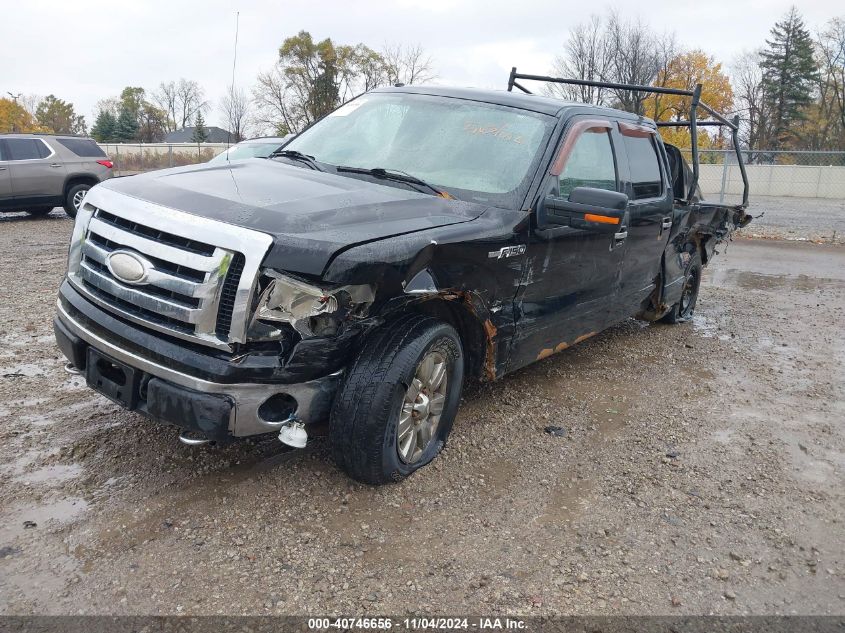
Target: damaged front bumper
point(200, 393)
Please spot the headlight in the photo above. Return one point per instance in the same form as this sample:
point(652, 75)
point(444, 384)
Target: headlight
point(311, 310)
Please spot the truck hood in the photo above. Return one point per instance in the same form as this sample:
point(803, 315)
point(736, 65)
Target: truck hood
point(311, 215)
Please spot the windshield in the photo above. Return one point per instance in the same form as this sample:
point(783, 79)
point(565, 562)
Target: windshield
point(474, 151)
point(246, 150)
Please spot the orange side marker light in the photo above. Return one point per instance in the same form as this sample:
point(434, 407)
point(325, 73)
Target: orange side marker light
point(604, 219)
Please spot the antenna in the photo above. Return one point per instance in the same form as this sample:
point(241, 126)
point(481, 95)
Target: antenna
point(232, 85)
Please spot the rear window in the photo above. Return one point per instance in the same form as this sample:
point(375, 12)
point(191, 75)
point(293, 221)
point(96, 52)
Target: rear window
point(83, 147)
point(645, 170)
point(26, 149)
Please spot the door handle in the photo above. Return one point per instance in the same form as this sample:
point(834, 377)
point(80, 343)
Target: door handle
point(2, 169)
point(55, 164)
point(667, 223)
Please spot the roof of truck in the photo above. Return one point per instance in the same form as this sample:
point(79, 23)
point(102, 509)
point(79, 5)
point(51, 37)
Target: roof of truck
point(536, 103)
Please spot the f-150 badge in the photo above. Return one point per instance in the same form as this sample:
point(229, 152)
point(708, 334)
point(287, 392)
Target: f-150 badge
point(507, 251)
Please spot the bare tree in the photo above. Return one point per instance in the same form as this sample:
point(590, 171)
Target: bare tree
point(190, 100)
point(166, 99)
point(274, 107)
point(831, 54)
point(615, 50)
point(586, 56)
point(408, 64)
point(181, 100)
point(637, 55)
point(750, 100)
point(235, 108)
point(30, 102)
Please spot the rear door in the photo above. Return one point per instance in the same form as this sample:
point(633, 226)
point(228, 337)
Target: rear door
point(650, 207)
point(80, 156)
point(35, 168)
point(572, 276)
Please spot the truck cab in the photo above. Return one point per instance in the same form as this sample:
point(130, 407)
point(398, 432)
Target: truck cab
point(413, 239)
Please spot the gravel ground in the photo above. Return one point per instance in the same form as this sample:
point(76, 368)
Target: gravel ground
point(818, 220)
point(701, 472)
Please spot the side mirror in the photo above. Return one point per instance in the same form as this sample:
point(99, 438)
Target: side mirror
point(587, 208)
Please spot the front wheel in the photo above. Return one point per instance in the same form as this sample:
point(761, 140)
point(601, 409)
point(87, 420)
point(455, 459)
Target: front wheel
point(684, 309)
point(396, 407)
point(74, 198)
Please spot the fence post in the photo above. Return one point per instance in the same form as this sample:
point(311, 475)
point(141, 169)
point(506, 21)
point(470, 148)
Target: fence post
point(117, 159)
point(725, 158)
point(170, 156)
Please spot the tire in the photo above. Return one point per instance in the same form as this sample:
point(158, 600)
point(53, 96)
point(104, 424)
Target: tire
point(73, 198)
point(364, 428)
point(685, 308)
point(38, 212)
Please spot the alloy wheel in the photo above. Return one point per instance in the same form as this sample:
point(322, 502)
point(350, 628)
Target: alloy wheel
point(422, 407)
point(78, 197)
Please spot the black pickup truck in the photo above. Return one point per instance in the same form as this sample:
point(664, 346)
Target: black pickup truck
point(414, 238)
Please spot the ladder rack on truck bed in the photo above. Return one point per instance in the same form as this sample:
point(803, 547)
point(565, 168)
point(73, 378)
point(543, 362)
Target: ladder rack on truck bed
point(693, 123)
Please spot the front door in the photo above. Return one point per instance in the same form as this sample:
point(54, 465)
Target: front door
point(35, 169)
point(572, 275)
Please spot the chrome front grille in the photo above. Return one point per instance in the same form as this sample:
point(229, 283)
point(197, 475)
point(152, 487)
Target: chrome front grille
point(198, 275)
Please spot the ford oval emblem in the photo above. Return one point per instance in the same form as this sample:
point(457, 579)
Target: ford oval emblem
point(128, 267)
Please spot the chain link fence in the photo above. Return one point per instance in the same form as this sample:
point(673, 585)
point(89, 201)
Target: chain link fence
point(771, 173)
point(134, 158)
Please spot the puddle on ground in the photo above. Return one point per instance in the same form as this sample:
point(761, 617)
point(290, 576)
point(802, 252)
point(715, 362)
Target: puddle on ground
point(707, 327)
point(50, 474)
point(27, 402)
point(24, 370)
point(723, 436)
point(46, 515)
point(46, 419)
point(748, 280)
point(20, 463)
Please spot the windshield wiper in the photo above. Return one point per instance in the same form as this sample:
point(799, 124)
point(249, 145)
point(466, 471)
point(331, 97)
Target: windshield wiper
point(299, 156)
point(394, 174)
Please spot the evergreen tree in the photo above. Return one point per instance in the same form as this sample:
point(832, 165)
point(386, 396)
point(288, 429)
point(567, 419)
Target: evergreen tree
point(127, 126)
point(200, 133)
point(789, 75)
point(104, 127)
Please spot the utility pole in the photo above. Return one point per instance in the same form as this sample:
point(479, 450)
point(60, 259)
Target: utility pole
point(15, 98)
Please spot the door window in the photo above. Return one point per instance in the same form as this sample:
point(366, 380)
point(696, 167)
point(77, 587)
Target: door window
point(26, 149)
point(590, 164)
point(645, 169)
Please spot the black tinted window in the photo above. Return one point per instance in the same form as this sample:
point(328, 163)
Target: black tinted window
point(25, 149)
point(84, 147)
point(645, 170)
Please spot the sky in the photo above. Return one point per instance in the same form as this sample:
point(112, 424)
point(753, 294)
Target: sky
point(83, 51)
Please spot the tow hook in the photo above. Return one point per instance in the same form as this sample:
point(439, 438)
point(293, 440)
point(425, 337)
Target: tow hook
point(293, 433)
point(192, 441)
